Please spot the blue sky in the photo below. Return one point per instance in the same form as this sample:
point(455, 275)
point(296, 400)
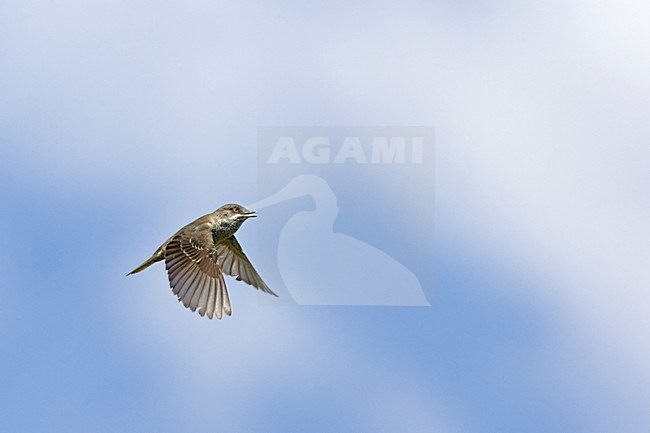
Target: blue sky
point(122, 121)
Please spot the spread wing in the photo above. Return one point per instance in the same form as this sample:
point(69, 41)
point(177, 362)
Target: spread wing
point(234, 262)
point(194, 273)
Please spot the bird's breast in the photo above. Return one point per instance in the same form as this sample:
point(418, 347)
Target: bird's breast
point(220, 233)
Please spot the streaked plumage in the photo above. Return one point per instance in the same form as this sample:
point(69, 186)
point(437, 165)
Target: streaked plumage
point(197, 256)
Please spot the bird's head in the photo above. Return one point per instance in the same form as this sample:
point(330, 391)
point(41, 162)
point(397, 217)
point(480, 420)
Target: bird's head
point(232, 215)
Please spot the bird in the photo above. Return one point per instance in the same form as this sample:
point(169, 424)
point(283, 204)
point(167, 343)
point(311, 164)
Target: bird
point(197, 256)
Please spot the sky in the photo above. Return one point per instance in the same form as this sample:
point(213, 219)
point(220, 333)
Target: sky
point(526, 226)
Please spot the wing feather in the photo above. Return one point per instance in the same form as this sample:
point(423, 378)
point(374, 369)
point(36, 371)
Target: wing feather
point(194, 272)
point(226, 300)
point(234, 262)
point(195, 289)
point(210, 305)
point(198, 293)
point(219, 302)
point(192, 277)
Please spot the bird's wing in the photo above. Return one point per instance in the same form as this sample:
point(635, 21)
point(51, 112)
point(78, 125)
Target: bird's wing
point(234, 262)
point(194, 273)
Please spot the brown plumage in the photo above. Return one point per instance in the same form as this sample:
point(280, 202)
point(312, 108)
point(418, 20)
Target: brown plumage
point(197, 256)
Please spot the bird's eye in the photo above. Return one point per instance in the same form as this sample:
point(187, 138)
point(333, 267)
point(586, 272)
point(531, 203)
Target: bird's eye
point(235, 209)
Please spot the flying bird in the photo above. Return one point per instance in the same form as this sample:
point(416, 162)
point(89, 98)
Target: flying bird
point(197, 256)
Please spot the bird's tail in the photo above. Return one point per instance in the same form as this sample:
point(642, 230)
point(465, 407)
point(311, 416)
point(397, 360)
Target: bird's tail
point(153, 259)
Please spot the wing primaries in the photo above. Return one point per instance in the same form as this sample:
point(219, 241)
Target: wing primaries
point(234, 262)
point(195, 276)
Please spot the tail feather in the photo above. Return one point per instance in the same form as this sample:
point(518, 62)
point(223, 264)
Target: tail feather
point(145, 265)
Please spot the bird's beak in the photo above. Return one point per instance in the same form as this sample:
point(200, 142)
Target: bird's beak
point(248, 214)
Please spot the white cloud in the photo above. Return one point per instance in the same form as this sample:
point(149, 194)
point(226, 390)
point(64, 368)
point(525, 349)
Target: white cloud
point(557, 169)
